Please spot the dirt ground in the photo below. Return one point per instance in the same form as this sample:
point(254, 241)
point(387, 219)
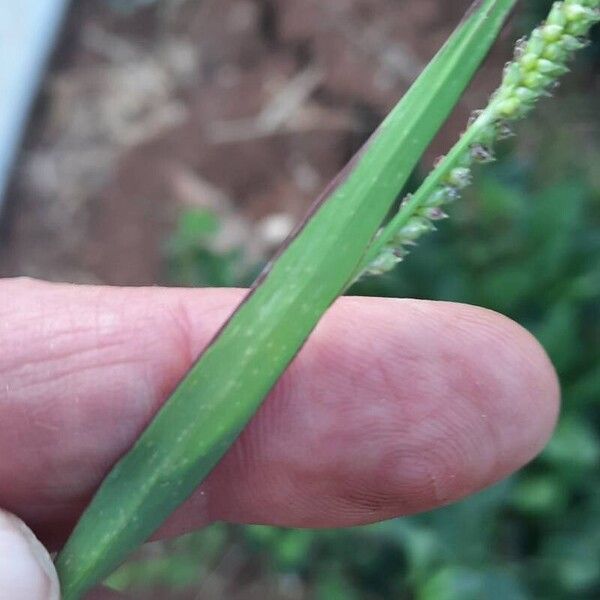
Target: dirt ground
point(247, 107)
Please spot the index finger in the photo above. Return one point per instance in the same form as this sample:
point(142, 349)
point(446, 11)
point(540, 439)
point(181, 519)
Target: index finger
point(393, 406)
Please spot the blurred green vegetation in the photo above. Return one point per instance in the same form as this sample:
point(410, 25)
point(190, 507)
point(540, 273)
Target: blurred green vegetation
point(524, 242)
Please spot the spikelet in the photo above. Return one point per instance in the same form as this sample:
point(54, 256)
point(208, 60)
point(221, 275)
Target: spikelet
point(532, 74)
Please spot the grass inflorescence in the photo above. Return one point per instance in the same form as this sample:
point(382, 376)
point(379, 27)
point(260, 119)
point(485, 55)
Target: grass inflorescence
point(533, 73)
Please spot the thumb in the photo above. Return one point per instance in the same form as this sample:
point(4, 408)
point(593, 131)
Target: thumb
point(26, 570)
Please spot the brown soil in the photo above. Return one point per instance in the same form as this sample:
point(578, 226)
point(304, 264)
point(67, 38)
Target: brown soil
point(246, 106)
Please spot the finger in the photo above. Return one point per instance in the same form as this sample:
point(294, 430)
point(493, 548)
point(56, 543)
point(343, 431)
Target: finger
point(394, 406)
point(26, 570)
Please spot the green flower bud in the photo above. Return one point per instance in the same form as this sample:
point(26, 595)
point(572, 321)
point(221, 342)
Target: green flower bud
point(557, 15)
point(443, 195)
point(579, 27)
point(509, 108)
point(385, 262)
point(552, 33)
point(438, 198)
point(537, 43)
point(452, 194)
point(577, 13)
point(526, 95)
point(529, 61)
point(550, 68)
point(572, 43)
point(536, 80)
point(413, 230)
point(512, 74)
point(460, 177)
point(581, 18)
point(555, 52)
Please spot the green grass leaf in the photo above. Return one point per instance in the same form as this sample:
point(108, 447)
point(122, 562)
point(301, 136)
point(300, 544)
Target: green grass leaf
point(223, 390)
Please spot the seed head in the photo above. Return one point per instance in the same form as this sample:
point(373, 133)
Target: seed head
point(512, 74)
point(529, 61)
point(437, 199)
point(482, 154)
point(460, 177)
point(537, 43)
point(538, 63)
point(526, 95)
point(551, 68)
point(452, 193)
point(552, 33)
point(510, 108)
point(414, 229)
point(555, 52)
point(385, 262)
point(557, 15)
point(572, 43)
point(434, 214)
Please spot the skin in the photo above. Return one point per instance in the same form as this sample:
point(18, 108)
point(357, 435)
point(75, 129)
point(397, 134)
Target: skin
point(393, 407)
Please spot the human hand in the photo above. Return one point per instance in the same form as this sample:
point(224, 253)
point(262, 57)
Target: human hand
point(393, 407)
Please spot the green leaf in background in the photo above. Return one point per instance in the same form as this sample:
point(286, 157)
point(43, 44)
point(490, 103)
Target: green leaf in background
point(211, 406)
point(193, 258)
point(454, 583)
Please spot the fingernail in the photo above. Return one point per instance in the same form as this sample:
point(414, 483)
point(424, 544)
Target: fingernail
point(26, 569)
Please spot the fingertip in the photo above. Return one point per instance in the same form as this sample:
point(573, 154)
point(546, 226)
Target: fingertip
point(26, 570)
point(524, 390)
point(491, 401)
point(399, 406)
